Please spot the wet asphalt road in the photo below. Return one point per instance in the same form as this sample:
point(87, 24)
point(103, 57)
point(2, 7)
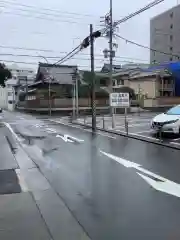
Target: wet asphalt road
point(109, 200)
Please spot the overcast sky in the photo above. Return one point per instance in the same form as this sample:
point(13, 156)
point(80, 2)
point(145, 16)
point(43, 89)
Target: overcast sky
point(61, 31)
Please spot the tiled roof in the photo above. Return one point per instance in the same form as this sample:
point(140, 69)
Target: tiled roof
point(63, 74)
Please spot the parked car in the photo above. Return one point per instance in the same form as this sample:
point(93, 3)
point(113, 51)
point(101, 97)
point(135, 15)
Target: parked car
point(0, 110)
point(168, 122)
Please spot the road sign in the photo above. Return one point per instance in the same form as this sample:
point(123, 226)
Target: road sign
point(120, 100)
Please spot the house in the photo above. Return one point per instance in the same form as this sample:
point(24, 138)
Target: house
point(63, 74)
point(17, 71)
point(154, 86)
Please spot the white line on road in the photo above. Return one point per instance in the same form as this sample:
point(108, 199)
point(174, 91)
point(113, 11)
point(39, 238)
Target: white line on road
point(150, 131)
point(78, 127)
point(161, 184)
point(175, 143)
point(176, 139)
point(139, 135)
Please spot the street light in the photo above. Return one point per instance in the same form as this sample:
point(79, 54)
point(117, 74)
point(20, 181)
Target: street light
point(49, 86)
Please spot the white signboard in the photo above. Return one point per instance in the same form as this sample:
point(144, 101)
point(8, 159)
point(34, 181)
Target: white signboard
point(119, 100)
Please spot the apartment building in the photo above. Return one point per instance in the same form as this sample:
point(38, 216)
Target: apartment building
point(165, 36)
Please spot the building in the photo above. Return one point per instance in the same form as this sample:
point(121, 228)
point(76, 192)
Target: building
point(165, 36)
point(63, 74)
point(25, 75)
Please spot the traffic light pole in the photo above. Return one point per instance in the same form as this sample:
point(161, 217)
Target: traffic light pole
point(93, 95)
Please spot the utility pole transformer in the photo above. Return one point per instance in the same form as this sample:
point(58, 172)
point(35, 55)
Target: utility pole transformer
point(93, 94)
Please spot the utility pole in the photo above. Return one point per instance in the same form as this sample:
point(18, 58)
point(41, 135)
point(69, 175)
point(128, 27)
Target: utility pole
point(111, 59)
point(93, 94)
point(49, 92)
point(77, 94)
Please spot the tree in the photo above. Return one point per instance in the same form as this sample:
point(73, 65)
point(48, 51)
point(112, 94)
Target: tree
point(4, 74)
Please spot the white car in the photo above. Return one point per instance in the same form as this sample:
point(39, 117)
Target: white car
point(168, 122)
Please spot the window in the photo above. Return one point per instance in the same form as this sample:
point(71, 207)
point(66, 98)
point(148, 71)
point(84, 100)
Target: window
point(171, 26)
point(174, 111)
point(171, 15)
point(171, 37)
point(171, 48)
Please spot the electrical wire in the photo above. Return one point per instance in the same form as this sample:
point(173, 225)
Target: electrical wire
point(52, 51)
point(47, 9)
point(146, 47)
point(47, 19)
point(34, 63)
point(74, 52)
point(57, 57)
point(124, 19)
point(68, 56)
point(150, 5)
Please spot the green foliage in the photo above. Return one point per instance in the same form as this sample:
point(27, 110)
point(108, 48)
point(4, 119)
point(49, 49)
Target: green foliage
point(4, 74)
point(85, 89)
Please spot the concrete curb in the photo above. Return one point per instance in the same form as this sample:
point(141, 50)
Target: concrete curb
point(143, 139)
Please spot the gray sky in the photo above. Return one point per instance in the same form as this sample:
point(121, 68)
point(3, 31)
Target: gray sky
point(62, 31)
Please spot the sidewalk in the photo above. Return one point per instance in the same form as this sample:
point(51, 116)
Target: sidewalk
point(29, 207)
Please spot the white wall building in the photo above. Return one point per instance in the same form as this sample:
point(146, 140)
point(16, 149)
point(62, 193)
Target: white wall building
point(10, 91)
point(3, 98)
point(22, 73)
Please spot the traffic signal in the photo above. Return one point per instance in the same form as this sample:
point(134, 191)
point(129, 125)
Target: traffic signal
point(96, 34)
point(86, 41)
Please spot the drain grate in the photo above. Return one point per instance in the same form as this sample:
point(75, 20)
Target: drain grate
point(9, 182)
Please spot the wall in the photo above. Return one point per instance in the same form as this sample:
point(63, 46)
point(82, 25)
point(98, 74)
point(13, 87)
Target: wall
point(3, 97)
point(147, 86)
point(62, 103)
point(168, 101)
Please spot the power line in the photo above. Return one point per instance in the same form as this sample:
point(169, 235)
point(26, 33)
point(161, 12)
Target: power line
point(34, 63)
point(74, 51)
point(39, 12)
point(57, 57)
point(152, 4)
point(44, 18)
point(146, 47)
point(48, 9)
point(53, 51)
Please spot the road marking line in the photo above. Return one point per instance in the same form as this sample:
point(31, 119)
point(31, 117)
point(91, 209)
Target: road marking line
point(145, 131)
point(21, 181)
point(161, 184)
point(144, 136)
point(78, 127)
point(175, 143)
point(138, 124)
point(51, 130)
point(139, 135)
point(176, 139)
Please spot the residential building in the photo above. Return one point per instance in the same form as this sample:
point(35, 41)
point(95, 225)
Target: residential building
point(25, 75)
point(165, 36)
point(63, 74)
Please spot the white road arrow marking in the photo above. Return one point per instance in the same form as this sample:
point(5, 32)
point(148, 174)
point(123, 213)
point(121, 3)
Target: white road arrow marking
point(162, 184)
point(64, 138)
